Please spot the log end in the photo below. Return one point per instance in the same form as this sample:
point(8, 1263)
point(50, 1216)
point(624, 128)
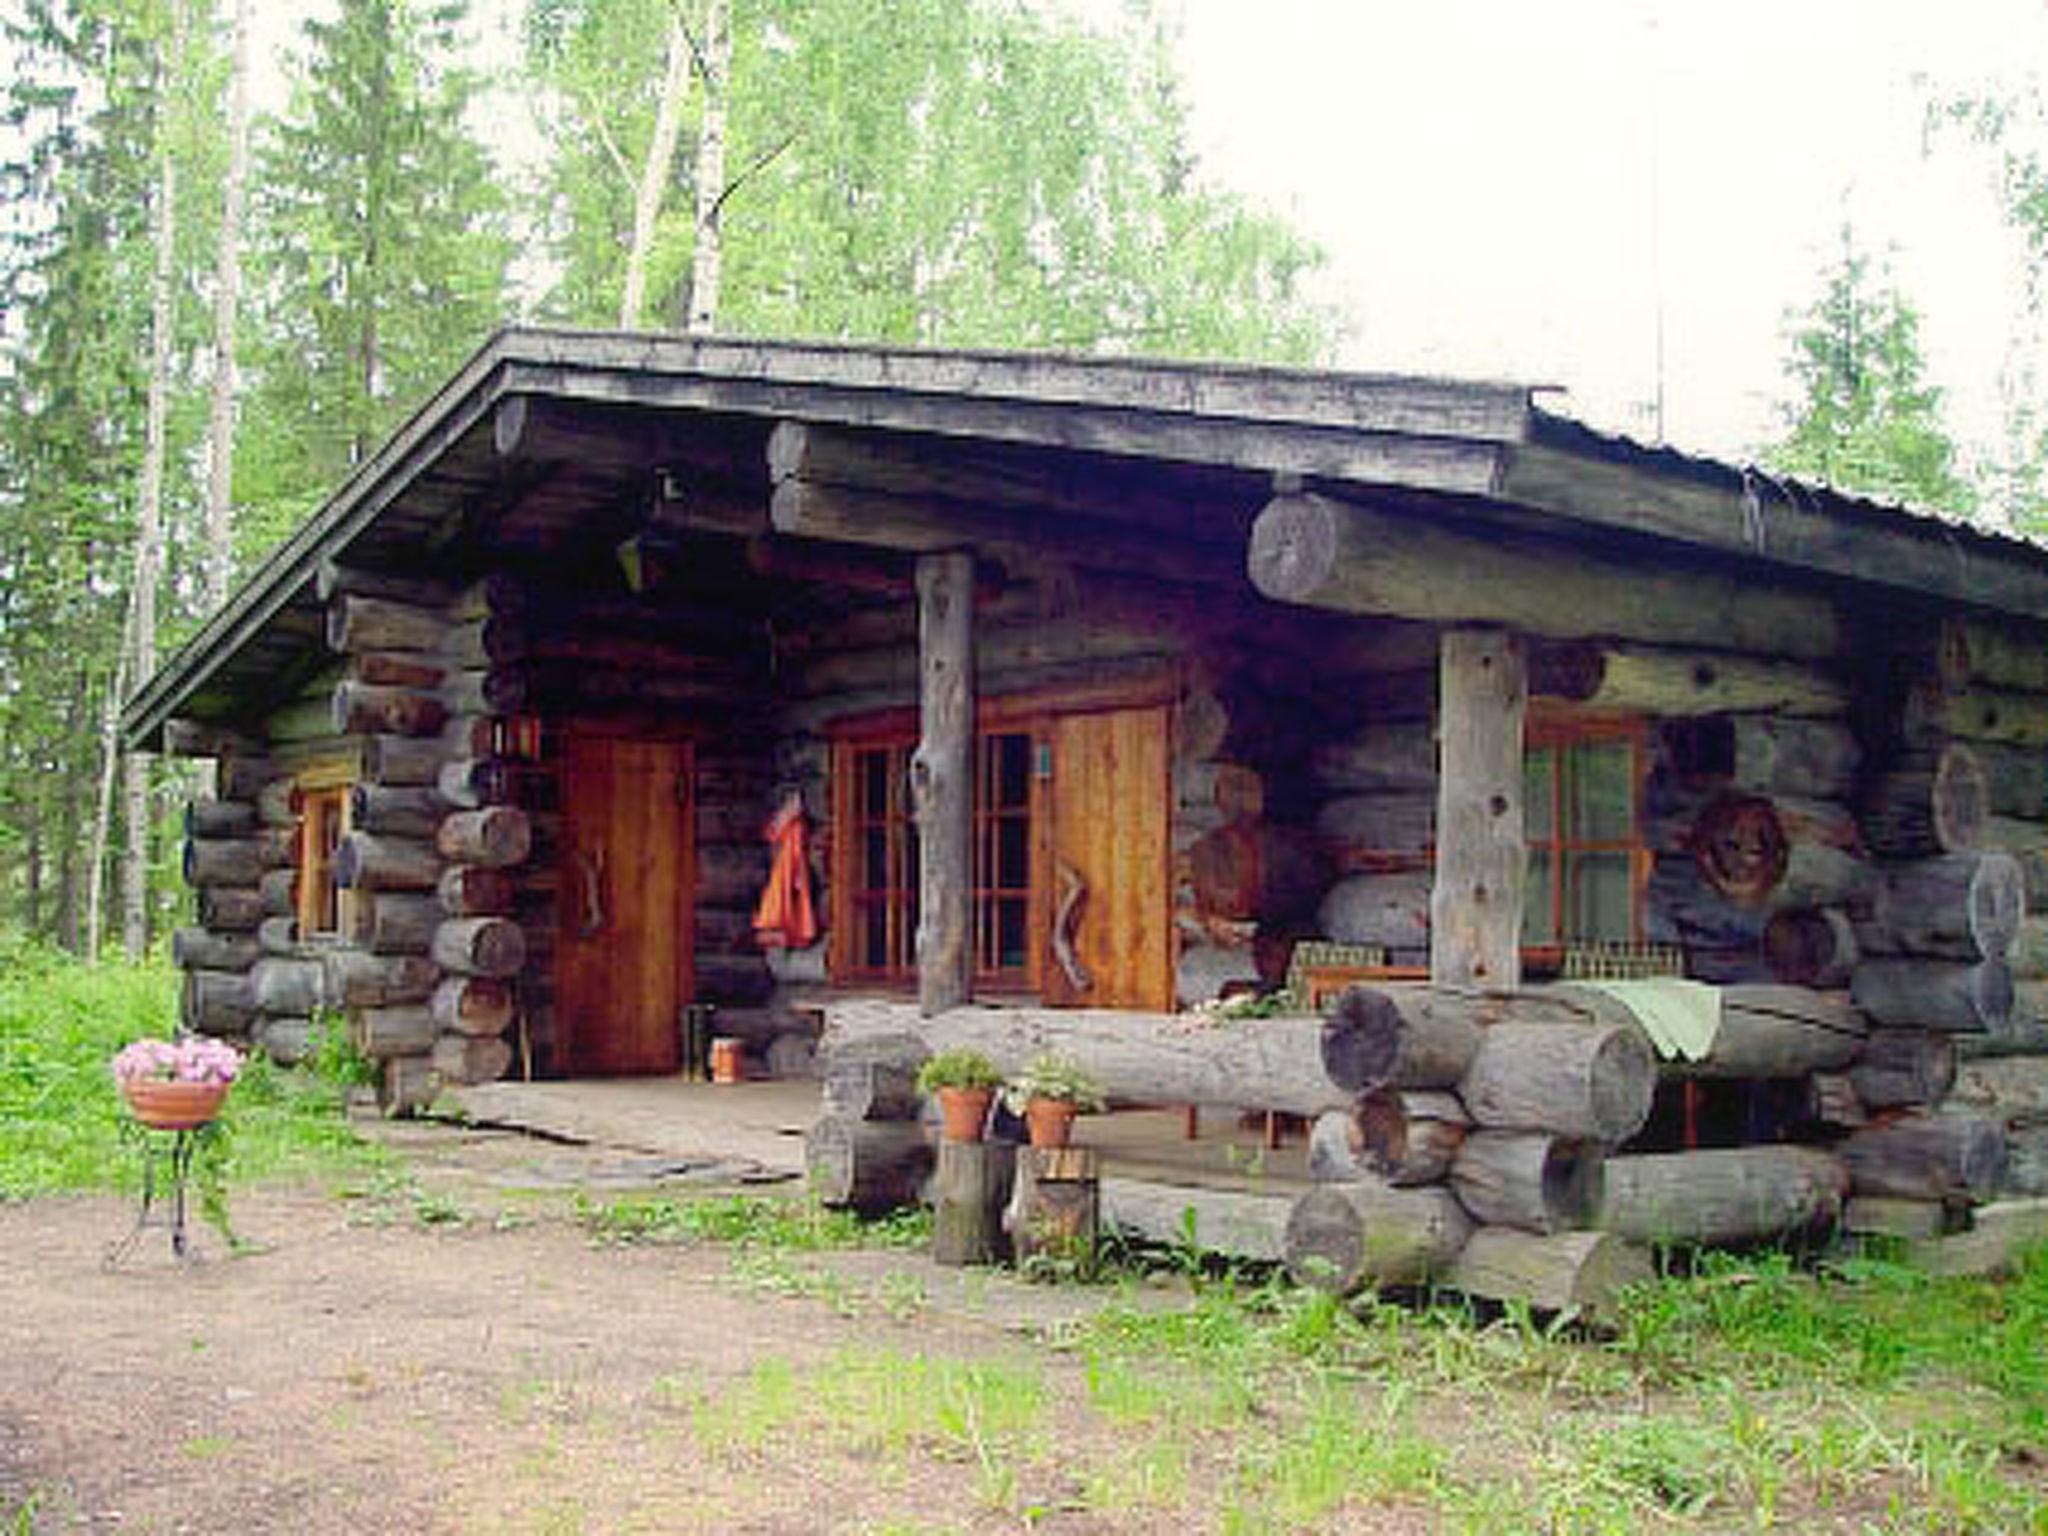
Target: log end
point(1293, 548)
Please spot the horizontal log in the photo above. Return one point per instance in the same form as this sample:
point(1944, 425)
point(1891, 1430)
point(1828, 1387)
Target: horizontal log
point(201, 949)
point(219, 818)
point(204, 738)
point(407, 810)
point(225, 861)
point(2027, 843)
point(495, 837)
point(1927, 1157)
point(287, 986)
point(1385, 757)
point(393, 922)
point(1233, 1222)
point(280, 936)
point(1904, 1067)
point(1781, 755)
point(395, 670)
point(1980, 713)
point(480, 946)
point(1589, 1081)
point(1570, 1274)
point(464, 890)
point(868, 1165)
point(1406, 1136)
point(1765, 1031)
point(217, 1002)
point(366, 709)
point(1314, 550)
point(303, 720)
point(383, 1032)
point(1723, 1195)
point(334, 579)
point(279, 889)
point(2027, 958)
point(285, 1039)
point(1933, 801)
point(473, 1005)
point(466, 1059)
point(277, 803)
point(358, 622)
point(372, 862)
point(1384, 910)
point(2014, 779)
point(353, 979)
point(230, 909)
point(1348, 1237)
point(1147, 1058)
point(1404, 821)
point(241, 778)
point(1951, 995)
point(1960, 906)
point(1528, 1179)
point(1666, 682)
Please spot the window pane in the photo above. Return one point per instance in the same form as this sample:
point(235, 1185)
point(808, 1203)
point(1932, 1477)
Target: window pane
point(1539, 914)
point(1011, 930)
point(1539, 770)
point(874, 784)
point(1013, 855)
point(1013, 770)
point(1602, 791)
point(874, 861)
point(1600, 896)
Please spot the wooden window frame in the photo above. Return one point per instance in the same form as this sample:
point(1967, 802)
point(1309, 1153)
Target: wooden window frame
point(321, 796)
point(1557, 732)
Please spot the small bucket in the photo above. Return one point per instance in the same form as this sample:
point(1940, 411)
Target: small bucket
point(728, 1064)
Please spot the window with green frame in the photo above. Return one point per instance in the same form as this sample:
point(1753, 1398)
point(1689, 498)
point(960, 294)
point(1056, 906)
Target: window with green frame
point(1581, 788)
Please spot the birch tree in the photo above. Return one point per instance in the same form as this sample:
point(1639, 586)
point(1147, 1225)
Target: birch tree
point(220, 436)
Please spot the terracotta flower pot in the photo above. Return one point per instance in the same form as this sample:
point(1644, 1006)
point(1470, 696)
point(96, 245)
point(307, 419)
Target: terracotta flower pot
point(166, 1106)
point(965, 1111)
point(1050, 1121)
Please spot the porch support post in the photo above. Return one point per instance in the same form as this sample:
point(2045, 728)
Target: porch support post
point(942, 779)
point(1475, 908)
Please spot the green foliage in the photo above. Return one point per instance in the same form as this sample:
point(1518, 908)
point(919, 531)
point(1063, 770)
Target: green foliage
point(1051, 1076)
point(958, 1068)
point(780, 1222)
point(61, 1022)
point(1865, 419)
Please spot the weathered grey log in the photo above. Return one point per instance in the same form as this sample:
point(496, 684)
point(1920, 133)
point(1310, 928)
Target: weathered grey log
point(2013, 776)
point(201, 949)
point(407, 811)
point(1723, 1195)
point(495, 837)
point(1225, 1221)
point(2027, 958)
point(473, 1005)
point(480, 946)
point(219, 818)
point(1671, 683)
point(1593, 1081)
point(1775, 755)
point(1575, 1274)
point(203, 738)
point(874, 1078)
point(1400, 822)
point(467, 1059)
point(2024, 840)
point(464, 890)
point(408, 1030)
point(1145, 1058)
point(1832, 1100)
point(869, 1165)
point(364, 623)
point(1385, 757)
point(1383, 910)
point(370, 709)
point(1927, 1157)
point(1347, 1237)
point(1407, 1136)
point(231, 909)
point(1203, 972)
point(309, 719)
point(1528, 1179)
point(1890, 1216)
point(1777, 1032)
point(369, 861)
point(356, 980)
point(217, 1002)
point(241, 778)
point(1313, 550)
point(473, 782)
point(280, 936)
point(1949, 995)
point(277, 803)
point(402, 761)
point(279, 891)
point(1811, 947)
point(941, 779)
point(1244, 871)
point(1408, 1035)
point(970, 1187)
point(1481, 857)
point(1055, 1211)
point(225, 861)
point(1961, 906)
point(1904, 1066)
point(1933, 801)
point(393, 922)
point(285, 1039)
point(1979, 713)
point(334, 579)
point(285, 986)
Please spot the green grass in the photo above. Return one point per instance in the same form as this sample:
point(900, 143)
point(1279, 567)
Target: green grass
point(61, 1021)
point(777, 1222)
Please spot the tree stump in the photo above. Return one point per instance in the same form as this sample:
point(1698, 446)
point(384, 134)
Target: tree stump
point(969, 1189)
point(1056, 1208)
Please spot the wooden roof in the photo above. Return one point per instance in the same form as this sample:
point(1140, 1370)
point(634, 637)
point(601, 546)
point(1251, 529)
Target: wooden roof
point(547, 439)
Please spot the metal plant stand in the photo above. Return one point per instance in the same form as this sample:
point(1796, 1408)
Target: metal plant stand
point(166, 1174)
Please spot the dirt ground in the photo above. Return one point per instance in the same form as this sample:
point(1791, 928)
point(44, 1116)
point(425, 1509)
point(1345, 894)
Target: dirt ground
point(379, 1365)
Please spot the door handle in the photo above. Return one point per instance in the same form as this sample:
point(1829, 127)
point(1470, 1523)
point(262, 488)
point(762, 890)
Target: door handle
point(592, 867)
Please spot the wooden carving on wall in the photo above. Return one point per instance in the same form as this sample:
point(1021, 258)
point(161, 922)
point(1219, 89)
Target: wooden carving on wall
point(1740, 846)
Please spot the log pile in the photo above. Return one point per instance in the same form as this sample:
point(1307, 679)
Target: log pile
point(868, 1150)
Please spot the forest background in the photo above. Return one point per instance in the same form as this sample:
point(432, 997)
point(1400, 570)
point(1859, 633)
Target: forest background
point(211, 313)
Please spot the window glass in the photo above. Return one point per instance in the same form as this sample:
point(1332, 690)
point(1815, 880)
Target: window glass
point(1603, 791)
point(1601, 897)
point(1580, 819)
point(1539, 778)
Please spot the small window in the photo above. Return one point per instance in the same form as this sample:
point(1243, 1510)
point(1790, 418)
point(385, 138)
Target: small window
point(323, 822)
point(1582, 820)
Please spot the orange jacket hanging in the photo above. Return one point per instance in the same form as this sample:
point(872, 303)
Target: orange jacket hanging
point(785, 919)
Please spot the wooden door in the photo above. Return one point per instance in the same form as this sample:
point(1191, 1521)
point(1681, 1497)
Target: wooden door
point(624, 931)
point(1107, 883)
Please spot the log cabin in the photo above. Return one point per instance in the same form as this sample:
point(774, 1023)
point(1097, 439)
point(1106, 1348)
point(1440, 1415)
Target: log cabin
point(1083, 692)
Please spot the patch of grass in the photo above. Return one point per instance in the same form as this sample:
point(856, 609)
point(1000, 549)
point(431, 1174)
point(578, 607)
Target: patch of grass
point(61, 1021)
point(784, 1222)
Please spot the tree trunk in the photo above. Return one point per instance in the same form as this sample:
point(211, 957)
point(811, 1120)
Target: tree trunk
point(654, 172)
point(1927, 1158)
point(220, 436)
point(1594, 1082)
point(1949, 995)
point(708, 251)
point(1578, 1274)
point(1346, 1237)
point(1180, 1216)
point(1055, 1210)
point(1726, 1195)
point(1528, 1179)
point(941, 781)
point(970, 1186)
point(103, 816)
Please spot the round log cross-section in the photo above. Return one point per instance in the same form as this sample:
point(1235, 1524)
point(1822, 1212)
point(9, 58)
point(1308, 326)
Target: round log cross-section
point(1530, 1180)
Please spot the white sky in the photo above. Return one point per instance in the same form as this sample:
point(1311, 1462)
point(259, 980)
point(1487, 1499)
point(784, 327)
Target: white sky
point(1516, 188)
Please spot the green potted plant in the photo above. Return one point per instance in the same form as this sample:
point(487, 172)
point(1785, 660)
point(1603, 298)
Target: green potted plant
point(965, 1082)
point(1049, 1093)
